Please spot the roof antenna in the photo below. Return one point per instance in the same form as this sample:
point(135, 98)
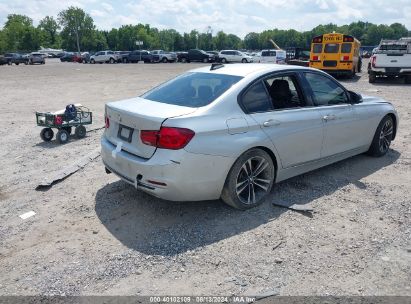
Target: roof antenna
point(215, 66)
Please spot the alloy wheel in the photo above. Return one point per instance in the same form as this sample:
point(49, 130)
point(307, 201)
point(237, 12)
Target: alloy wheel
point(386, 135)
point(253, 180)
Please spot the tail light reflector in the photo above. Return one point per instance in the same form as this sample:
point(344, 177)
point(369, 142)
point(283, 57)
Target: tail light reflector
point(373, 61)
point(316, 58)
point(345, 58)
point(167, 137)
point(107, 122)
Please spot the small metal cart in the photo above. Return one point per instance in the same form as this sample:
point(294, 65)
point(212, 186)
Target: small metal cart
point(64, 122)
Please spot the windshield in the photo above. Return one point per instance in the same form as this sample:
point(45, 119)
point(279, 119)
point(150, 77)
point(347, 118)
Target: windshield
point(192, 89)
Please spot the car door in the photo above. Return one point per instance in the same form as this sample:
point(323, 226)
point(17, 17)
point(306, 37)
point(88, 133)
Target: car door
point(295, 130)
point(341, 122)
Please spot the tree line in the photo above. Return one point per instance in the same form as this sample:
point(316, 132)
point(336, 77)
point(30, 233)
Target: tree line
point(73, 28)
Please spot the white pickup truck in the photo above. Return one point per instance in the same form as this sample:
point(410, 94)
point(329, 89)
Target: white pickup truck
point(392, 58)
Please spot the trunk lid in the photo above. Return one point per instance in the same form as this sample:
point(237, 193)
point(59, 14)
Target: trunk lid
point(129, 117)
point(394, 60)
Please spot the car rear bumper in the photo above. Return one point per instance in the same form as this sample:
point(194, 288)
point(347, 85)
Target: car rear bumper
point(178, 175)
point(391, 71)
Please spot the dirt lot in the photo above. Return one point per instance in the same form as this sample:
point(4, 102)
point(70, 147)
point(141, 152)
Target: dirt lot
point(95, 235)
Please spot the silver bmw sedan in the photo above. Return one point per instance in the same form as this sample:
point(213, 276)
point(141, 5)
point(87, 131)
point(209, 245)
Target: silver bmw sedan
point(232, 131)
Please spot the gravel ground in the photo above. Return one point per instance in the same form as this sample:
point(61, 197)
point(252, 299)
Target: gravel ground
point(95, 235)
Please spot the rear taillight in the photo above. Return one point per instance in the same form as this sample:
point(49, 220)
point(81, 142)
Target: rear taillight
point(149, 137)
point(167, 138)
point(345, 58)
point(316, 58)
point(107, 122)
point(373, 61)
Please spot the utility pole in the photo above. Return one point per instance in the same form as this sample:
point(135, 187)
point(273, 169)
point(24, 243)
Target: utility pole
point(78, 42)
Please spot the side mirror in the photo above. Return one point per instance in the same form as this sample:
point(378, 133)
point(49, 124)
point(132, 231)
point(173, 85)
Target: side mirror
point(354, 97)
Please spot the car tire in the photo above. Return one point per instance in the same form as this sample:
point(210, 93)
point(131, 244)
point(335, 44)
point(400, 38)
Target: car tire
point(243, 60)
point(242, 189)
point(183, 60)
point(47, 134)
point(62, 136)
point(26, 62)
point(16, 63)
point(205, 60)
point(372, 77)
point(125, 60)
point(111, 60)
point(223, 60)
point(80, 132)
point(9, 62)
point(382, 137)
point(164, 60)
point(92, 61)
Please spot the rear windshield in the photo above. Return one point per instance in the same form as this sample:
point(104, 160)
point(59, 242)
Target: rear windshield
point(317, 48)
point(192, 89)
point(331, 48)
point(346, 48)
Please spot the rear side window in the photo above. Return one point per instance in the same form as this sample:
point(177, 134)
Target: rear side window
point(325, 90)
point(268, 53)
point(331, 48)
point(346, 48)
point(192, 89)
point(256, 99)
point(317, 48)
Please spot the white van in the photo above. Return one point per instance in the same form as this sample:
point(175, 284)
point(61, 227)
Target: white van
point(272, 56)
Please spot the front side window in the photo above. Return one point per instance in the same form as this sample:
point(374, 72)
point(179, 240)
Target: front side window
point(192, 89)
point(256, 99)
point(325, 90)
point(331, 48)
point(346, 48)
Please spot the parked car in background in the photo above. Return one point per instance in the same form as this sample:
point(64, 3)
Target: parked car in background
point(3, 60)
point(163, 56)
point(182, 56)
point(233, 131)
point(196, 55)
point(82, 58)
point(233, 56)
point(122, 56)
point(272, 56)
point(143, 55)
point(15, 58)
point(67, 57)
point(105, 57)
point(392, 58)
point(36, 57)
point(215, 53)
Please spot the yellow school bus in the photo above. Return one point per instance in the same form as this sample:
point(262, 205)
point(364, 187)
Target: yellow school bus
point(335, 53)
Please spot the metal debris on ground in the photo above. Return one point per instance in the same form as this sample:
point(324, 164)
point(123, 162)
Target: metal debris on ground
point(67, 171)
point(295, 207)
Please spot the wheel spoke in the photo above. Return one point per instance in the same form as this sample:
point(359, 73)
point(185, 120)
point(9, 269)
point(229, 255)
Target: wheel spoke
point(257, 182)
point(241, 187)
point(261, 167)
point(252, 193)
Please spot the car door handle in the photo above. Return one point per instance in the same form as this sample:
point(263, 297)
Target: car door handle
point(329, 117)
point(271, 122)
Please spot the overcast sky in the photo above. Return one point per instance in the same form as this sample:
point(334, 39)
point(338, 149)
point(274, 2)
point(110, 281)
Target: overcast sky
point(233, 16)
